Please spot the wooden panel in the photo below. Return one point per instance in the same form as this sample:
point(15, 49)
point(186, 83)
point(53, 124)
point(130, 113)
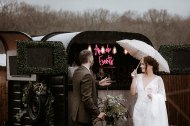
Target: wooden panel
point(178, 99)
point(3, 97)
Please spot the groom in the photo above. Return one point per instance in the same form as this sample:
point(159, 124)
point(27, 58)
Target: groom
point(85, 106)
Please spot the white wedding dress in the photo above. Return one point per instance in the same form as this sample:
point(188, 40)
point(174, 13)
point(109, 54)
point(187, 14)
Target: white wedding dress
point(149, 112)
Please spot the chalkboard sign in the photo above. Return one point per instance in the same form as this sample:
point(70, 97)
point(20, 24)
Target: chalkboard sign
point(177, 57)
point(12, 72)
point(181, 59)
point(13, 65)
point(41, 58)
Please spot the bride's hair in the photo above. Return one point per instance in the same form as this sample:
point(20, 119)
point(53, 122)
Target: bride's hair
point(151, 61)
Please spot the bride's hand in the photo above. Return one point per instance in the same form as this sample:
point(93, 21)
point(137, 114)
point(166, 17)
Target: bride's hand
point(149, 96)
point(134, 73)
point(149, 91)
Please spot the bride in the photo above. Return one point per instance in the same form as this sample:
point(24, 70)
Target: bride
point(150, 107)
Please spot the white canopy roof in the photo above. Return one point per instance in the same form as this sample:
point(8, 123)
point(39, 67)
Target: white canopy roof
point(37, 38)
point(65, 38)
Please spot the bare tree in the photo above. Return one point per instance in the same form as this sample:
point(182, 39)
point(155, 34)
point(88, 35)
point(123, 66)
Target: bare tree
point(158, 25)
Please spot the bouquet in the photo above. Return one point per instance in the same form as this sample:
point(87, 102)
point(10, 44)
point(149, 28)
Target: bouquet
point(114, 109)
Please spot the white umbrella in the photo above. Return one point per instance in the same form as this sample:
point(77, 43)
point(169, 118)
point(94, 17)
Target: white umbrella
point(139, 49)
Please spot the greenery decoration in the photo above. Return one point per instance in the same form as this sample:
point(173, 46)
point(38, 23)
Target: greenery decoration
point(114, 108)
point(36, 105)
point(168, 51)
point(58, 52)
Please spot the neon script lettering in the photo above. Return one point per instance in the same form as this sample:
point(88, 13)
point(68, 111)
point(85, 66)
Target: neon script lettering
point(101, 56)
point(109, 60)
point(97, 50)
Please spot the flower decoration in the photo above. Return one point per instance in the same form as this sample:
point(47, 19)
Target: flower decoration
point(114, 108)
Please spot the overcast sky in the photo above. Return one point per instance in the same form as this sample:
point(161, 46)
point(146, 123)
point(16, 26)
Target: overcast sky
point(179, 7)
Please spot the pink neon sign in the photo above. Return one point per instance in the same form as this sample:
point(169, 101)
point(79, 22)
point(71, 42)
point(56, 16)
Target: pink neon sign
point(101, 56)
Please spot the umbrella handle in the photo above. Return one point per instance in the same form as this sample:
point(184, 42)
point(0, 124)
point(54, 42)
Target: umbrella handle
point(136, 69)
point(138, 65)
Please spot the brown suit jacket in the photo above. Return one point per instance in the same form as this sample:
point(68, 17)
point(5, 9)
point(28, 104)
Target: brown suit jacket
point(85, 106)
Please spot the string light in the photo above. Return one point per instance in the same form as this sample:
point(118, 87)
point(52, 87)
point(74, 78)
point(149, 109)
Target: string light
point(125, 52)
point(102, 50)
point(114, 51)
point(90, 48)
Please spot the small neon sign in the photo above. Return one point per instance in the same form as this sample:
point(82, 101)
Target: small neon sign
point(104, 55)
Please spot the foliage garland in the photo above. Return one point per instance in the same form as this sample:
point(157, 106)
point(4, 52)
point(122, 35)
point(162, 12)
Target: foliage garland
point(167, 52)
point(59, 57)
point(37, 89)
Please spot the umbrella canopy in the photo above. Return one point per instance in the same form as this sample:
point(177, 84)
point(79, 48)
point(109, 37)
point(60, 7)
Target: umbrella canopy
point(139, 49)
